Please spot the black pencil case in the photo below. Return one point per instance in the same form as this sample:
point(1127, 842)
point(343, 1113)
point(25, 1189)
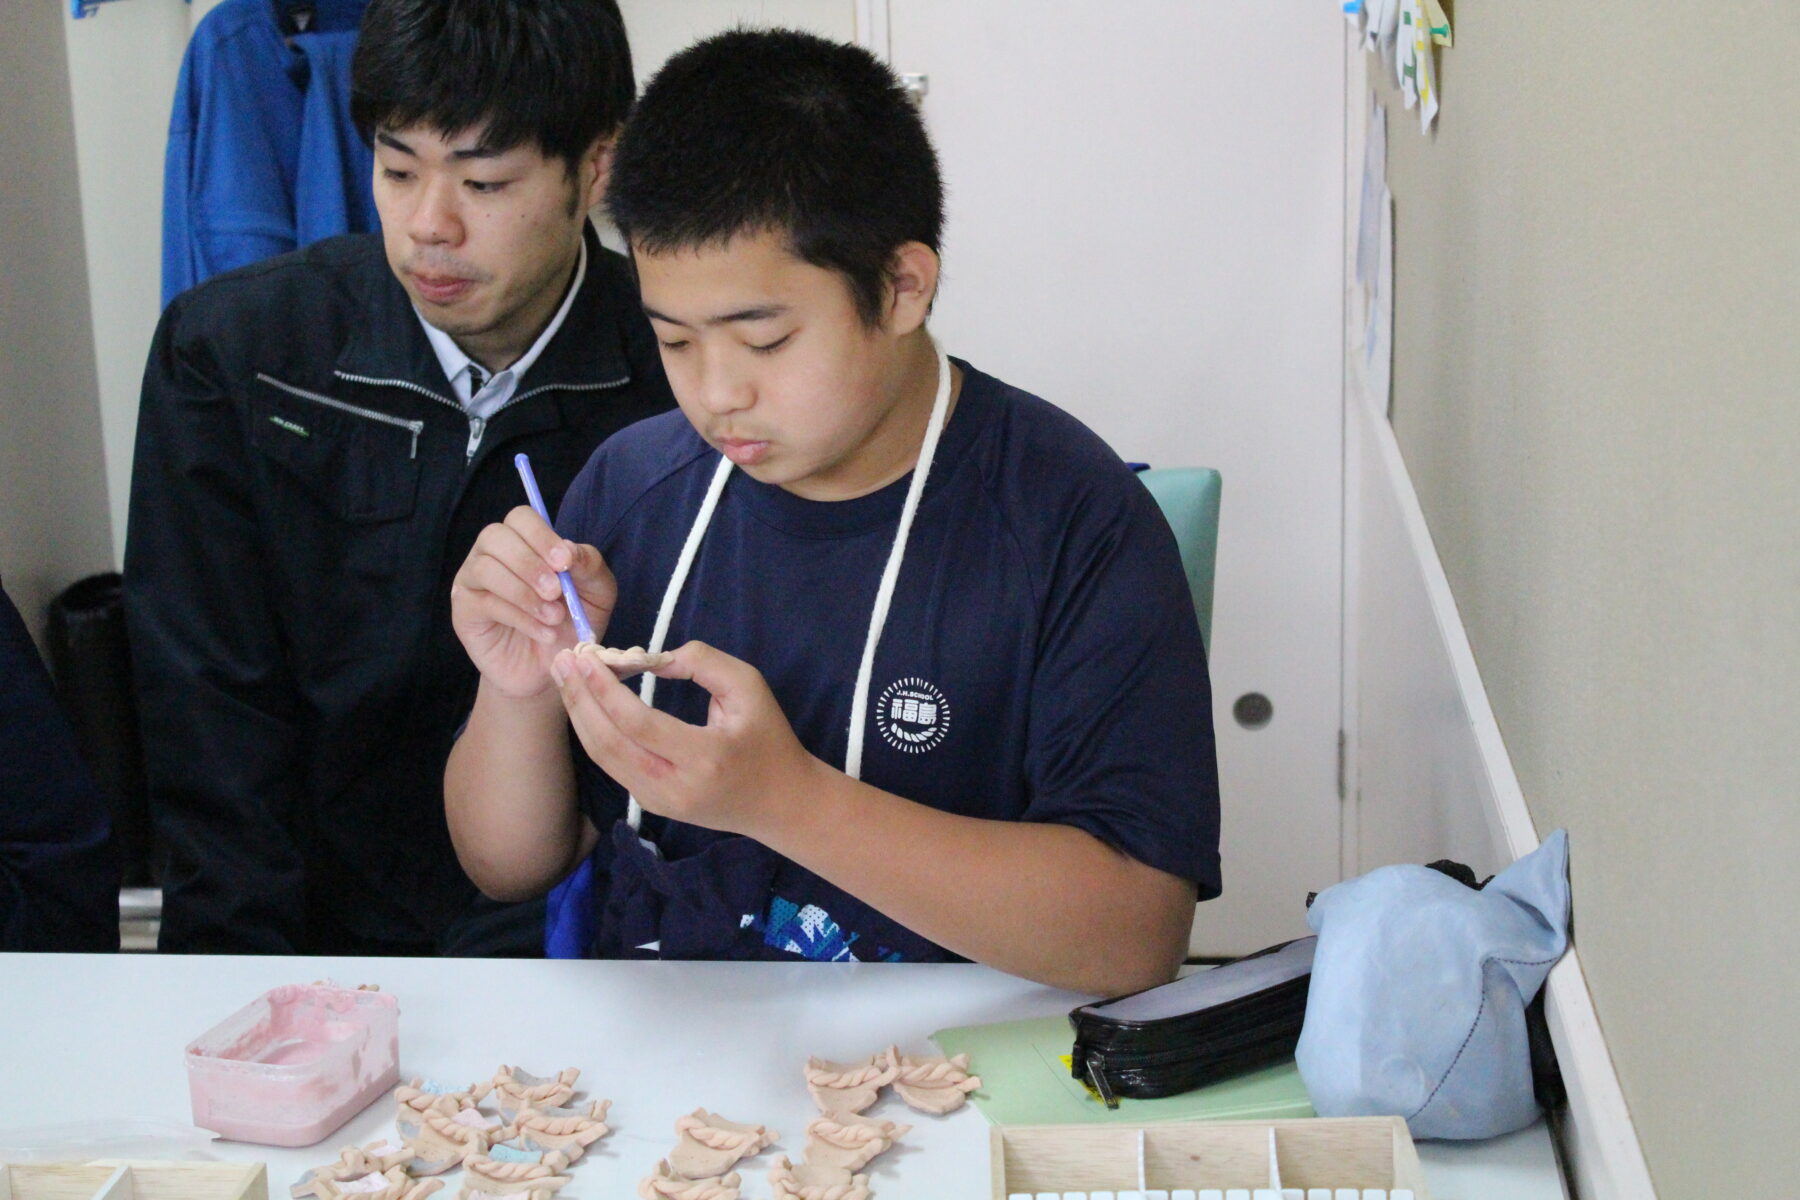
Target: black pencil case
point(1209, 1026)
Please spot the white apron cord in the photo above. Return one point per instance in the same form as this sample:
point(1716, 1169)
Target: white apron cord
point(884, 596)
point(884, 599)
point(634, 812)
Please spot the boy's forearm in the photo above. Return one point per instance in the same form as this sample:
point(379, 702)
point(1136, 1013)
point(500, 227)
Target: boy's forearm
point(1047, 902)
point(509, 796)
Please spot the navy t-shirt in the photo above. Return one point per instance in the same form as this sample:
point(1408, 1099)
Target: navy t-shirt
point(1041, 660)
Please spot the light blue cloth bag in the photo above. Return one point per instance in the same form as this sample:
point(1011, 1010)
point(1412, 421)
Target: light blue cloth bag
point(1419, 988)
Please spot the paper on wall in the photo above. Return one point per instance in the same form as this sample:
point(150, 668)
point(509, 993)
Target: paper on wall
point(1381, 26)
point(1413, 68)
point(1378, 344)
point(1439, 22)
point(1374, 183)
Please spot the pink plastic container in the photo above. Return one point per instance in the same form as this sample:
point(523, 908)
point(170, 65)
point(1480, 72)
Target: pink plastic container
point(293, 1065)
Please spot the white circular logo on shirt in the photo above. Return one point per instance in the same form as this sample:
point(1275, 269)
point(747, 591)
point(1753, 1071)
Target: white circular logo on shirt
point(912, 715)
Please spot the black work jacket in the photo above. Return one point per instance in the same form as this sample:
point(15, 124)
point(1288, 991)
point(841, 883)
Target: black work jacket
point(304, 490)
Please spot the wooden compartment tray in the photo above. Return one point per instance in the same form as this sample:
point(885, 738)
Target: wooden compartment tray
point(1348, 1152)
point(111, 1180)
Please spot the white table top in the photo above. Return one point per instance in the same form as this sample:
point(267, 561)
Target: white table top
point(103, 1035)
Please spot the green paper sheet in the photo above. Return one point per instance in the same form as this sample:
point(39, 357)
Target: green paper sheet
point(1025, 1081)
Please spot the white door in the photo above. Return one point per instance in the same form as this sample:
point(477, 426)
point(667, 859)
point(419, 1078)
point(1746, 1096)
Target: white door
point(1145, 227)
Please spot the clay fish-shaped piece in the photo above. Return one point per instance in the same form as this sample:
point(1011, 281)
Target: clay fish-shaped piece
point(392, 1184)
point(440, 1142)
point(850, 1087)
point(388, 1154)
point(569, 1135)
point(848, 1141)
point(353, 1163)
point(813, 1181)
point(708, 1145)
point(491, 1177)
point(411, 1109)
point(512, 1152)
point(516, 1090)
point(423, 1094)
point(935, 1085)
point(633, 660)
point(665, 1184)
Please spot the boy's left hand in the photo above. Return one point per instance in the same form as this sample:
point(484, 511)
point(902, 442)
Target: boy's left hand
point(737, 773)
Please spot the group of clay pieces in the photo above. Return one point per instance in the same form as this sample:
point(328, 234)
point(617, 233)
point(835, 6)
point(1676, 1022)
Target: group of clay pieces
point(929, 1084)
point(519, 1155)
point(839, 1143)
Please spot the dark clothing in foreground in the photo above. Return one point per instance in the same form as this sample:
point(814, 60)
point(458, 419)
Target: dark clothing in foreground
point(59, 875)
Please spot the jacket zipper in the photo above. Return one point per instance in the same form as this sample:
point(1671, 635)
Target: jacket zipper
point(478, 425)
point(413, 427)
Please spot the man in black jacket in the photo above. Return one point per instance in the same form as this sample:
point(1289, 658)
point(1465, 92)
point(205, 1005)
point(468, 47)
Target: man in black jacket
point(320, 439)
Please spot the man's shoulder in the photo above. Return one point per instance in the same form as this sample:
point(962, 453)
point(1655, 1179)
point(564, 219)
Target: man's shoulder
point(338, 272)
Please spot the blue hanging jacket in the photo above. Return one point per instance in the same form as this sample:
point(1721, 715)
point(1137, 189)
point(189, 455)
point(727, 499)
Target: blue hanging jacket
point(332, 180)
point(234, 160)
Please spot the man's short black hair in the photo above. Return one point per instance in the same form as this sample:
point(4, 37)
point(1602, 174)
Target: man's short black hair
point(551, 73)
point(774, 130)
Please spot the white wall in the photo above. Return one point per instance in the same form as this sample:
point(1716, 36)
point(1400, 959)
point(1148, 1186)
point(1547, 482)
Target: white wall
point(53, 526)
point(1597, 275)
point(122, 63)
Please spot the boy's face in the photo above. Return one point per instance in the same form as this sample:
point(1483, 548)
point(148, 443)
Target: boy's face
point(771, 363)
point(483, 242)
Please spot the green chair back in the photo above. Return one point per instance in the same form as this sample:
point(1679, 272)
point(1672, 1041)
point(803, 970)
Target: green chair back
point(1189, 499)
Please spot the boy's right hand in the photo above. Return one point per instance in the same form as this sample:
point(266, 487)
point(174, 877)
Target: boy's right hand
point(506, 604)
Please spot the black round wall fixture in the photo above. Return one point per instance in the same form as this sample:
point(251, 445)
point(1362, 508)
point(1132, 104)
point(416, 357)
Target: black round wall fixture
point(1253, 710)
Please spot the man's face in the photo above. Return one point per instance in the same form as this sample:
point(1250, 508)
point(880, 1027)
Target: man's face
point(482, 241)
point(772, 365)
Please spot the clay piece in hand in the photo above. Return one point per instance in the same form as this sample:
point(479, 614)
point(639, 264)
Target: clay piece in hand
point(850, 1087)
point(935, 1085)
point(393, 1184)
point(708, 1145)
point(633, 660)
point(814, 1181)
point(516, 1090)
point(665, 1183)
point(848, 1141)
point(440, 1142)
point(491, 1177)
point(422, 1094)
point(569, 1135)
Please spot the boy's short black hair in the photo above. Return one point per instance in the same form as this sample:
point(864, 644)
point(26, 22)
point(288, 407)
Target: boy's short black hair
point(552, 73)
point(770, 129)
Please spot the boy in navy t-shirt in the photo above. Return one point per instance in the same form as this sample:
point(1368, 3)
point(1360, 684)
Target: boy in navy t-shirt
point(937, 688)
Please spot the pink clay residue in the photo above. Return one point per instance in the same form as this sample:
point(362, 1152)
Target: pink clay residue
point(294, 1064)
